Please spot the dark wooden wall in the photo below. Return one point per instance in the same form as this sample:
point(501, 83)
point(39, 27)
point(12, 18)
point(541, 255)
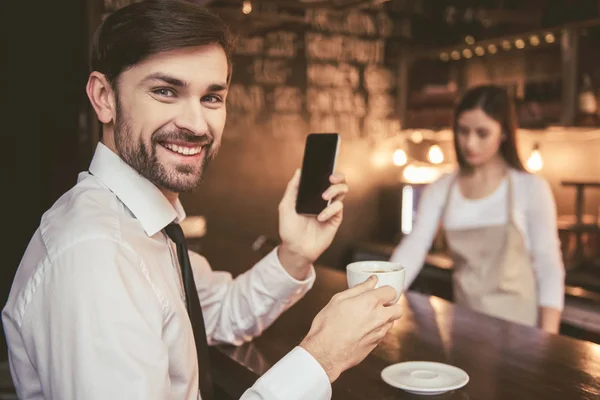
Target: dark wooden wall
point(43, 78)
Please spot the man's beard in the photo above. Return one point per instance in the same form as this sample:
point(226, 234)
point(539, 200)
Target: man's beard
point(142, 158)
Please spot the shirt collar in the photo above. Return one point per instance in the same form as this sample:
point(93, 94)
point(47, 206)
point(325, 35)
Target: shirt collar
point(147, 203)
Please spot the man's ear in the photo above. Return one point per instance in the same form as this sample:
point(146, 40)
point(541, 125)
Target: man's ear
point(102, 97)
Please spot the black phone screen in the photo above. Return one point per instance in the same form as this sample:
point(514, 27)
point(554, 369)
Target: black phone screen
point(319, 161)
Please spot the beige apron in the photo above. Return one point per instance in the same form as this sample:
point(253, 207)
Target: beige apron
point(492, 270)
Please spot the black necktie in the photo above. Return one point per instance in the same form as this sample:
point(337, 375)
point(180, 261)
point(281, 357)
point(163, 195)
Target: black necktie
point(175, 232)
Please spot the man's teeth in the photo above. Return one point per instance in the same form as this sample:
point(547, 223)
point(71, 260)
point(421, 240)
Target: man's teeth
point(187, 151)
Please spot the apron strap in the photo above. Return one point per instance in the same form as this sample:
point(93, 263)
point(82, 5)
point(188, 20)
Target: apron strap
point(509, 198)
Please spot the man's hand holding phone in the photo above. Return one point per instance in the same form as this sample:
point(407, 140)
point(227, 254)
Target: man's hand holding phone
point(305, 237)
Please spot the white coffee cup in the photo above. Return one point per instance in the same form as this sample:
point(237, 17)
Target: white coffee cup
point(388, 274)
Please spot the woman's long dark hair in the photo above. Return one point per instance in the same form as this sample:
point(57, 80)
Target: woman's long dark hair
point(495, 102)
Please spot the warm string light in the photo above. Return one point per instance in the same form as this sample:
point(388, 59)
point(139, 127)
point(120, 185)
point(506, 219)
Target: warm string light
point(534, 40)
point(520, 44)
point(504, 44)
point(535, 161)
point(247, 7)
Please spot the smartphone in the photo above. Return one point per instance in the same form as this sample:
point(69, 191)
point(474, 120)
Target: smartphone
point(320, 154)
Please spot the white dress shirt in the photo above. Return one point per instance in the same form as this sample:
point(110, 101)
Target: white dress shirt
point(97, 309)
point(534, 213)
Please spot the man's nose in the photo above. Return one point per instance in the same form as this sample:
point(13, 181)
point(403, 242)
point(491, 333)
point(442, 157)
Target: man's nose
point(192, 118)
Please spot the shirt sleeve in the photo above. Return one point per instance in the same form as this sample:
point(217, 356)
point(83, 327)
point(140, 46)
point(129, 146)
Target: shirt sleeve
point(297, 376)
point(545, 245)
point(413, 249)
point(93, 327)
point(236, 310)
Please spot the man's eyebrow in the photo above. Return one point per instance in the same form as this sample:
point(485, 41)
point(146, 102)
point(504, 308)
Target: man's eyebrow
point(217, 87)
point(171, 80)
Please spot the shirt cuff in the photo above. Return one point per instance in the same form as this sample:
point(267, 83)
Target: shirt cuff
point(281, 284)
point(297, 376)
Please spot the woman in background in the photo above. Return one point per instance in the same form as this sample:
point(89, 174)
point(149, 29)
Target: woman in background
point(499, 221)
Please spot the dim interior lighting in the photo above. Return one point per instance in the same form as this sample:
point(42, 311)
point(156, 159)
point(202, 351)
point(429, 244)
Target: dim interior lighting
point(550, 38)
point(534, 40)
point(416, 137)
point(467, 53)
point(519, 43)
point(435, 154)
point(444, 56)
point(399, 158)
point(506, 45)
point(420, 173)
point(469, 39)
point(535, 162)
point(479, 51)
point(455, 55)
point(247, 7)
point(492, 49)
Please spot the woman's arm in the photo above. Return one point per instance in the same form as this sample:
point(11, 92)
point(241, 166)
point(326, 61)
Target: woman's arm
point(413, 248)
point(549, 319)
point(545, 253)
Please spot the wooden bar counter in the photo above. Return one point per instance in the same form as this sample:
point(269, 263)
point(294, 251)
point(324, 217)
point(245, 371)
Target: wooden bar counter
point(505, 361)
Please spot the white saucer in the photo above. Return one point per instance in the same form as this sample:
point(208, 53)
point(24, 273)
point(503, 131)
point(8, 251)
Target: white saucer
point(424, 378)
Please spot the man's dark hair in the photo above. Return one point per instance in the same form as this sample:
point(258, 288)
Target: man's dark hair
point(140, 30)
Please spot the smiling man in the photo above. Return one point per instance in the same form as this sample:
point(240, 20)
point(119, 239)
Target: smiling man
point(179, 122)
point(107, 302)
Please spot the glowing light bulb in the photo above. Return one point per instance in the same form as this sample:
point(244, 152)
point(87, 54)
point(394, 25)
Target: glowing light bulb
point(534, 40)
point(399, 157)
point(435, 154)
point(247, 7)
point(416, 137)
point(535, 161)
point(520, 43)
